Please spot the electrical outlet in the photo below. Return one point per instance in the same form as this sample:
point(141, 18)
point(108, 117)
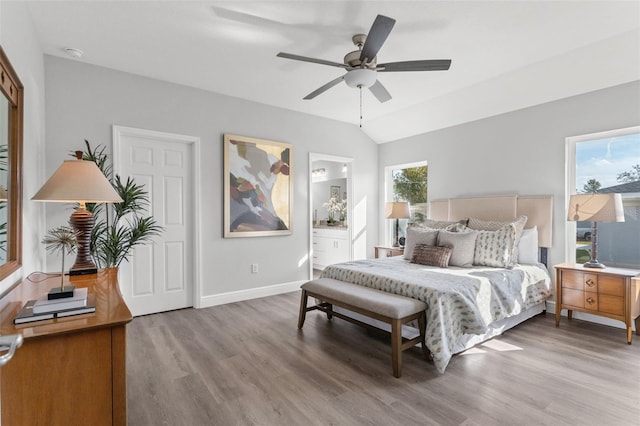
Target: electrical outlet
point(254, 268)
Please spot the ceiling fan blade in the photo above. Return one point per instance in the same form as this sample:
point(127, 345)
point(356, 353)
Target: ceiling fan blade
point(426, 65)
point(324, 88)
point(380, 92)
point(307, 59)
point(377, 35)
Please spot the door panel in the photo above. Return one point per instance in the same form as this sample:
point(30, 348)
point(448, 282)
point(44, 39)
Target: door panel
point(159, 276)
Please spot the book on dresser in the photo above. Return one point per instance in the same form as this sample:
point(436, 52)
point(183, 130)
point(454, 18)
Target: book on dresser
point(27, 315)
point(43, 305)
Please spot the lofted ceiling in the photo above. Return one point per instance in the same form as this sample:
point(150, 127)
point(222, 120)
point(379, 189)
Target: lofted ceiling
point(506, 55)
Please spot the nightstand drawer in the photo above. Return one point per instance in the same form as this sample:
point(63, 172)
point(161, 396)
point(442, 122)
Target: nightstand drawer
point(611, 304)
point(611, 285)
point(573, 297)
point(573, 279)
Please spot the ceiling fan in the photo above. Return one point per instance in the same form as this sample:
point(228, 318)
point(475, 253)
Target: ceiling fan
point(362, 66)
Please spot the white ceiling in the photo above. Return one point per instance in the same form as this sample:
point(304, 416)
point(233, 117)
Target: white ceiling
point(506, 54)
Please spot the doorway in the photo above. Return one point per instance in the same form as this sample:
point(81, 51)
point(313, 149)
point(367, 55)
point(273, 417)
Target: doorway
point(330, 193)
point(163, 275)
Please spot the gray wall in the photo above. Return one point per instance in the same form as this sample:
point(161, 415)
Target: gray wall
point(83, 101)
point(521, 152)
point(19, 41)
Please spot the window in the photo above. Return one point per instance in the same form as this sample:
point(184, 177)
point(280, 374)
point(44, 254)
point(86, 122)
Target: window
point(607, 162)
point(407, 182)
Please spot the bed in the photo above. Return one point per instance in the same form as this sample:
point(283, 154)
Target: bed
point(467, 305)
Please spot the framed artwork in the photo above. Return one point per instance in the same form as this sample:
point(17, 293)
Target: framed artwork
point(335, 193)
point(258, 187)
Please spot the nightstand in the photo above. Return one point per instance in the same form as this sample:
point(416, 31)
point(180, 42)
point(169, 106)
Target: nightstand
point(610, 292)
point(385, 251)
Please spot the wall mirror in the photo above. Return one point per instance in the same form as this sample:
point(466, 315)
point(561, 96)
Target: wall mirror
point(11, 131)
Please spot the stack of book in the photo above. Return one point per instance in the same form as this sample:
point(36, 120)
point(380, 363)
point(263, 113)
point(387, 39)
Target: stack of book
point(44, 309)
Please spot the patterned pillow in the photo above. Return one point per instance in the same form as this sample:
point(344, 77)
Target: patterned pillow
point(431, 255)
point(462, 245)
point(441, 224)
point(495, 248)
point(494, 225)
point(418, 235)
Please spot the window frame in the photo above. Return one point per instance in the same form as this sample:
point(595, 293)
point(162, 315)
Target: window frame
point(388, 195)
point(570, 179)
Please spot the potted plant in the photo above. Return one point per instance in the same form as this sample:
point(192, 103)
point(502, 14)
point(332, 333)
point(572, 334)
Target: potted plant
point(121, 226)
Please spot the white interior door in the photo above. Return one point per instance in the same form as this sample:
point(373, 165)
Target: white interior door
point(160, 276)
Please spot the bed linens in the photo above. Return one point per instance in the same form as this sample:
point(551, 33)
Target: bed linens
point(459, 300)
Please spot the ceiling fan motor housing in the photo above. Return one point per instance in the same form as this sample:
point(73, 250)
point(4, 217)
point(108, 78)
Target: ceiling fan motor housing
point(353, 60)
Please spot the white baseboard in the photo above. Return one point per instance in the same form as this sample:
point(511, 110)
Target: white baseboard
point(253, 293)
point(551, 309)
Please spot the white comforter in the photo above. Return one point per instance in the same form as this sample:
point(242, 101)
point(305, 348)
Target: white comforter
point(459, 300)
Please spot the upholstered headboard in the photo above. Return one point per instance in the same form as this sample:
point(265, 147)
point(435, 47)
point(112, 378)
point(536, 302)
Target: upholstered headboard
point(537, 208)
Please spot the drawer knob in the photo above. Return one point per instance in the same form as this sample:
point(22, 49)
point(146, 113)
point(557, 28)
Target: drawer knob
point(590, 300)
point(590, 282)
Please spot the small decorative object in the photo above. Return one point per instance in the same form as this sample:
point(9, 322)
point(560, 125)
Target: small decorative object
point(258, 187)
point(335, 206)
point(397, 210)
point(595, 208)
point(62, 239)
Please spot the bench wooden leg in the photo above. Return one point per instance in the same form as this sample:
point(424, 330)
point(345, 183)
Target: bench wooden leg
point(303, 309)
point(329, 311)
point(396, 347)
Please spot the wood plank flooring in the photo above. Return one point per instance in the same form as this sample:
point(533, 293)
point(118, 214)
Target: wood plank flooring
point(246, 363)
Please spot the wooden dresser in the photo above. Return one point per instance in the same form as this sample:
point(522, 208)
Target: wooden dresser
point(609, 292)
point(69, 370)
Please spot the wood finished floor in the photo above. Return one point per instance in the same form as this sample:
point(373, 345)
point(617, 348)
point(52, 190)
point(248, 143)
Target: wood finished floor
point(247, 364)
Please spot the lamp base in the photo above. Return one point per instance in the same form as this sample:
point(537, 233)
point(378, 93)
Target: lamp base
point(594, 264)
point(83, 271)
point(61, 293)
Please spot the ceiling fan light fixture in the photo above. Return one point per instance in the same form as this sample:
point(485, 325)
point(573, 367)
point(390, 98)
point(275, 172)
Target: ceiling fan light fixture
point(360, 78)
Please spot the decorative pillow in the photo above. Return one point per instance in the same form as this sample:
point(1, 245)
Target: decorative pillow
point(528, 247)
point(462, 245)
point(495, 248)
point(431, 255)
point(494, 225)
point(441, 224)
point(418, 235)
point(456, 227)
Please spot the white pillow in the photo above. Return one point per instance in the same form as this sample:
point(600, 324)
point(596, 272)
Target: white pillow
point(495, 248)
point(418, 235)
point(528, 247)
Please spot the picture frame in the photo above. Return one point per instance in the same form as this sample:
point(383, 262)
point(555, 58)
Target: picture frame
point(335, 193)
point(258, 187)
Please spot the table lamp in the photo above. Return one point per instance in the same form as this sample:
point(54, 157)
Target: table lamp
point(397, 210)
point(79, 181)
point(595, 208)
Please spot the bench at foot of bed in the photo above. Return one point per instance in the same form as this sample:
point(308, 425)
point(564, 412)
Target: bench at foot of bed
point(386, 307)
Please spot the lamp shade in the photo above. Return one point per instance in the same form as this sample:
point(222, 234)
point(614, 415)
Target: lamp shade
point(596, 208)
point(397, 210)
point(76, 181)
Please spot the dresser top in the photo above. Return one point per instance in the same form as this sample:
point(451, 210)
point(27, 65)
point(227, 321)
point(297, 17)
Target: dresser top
point(606, 271)
point(103, 289)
